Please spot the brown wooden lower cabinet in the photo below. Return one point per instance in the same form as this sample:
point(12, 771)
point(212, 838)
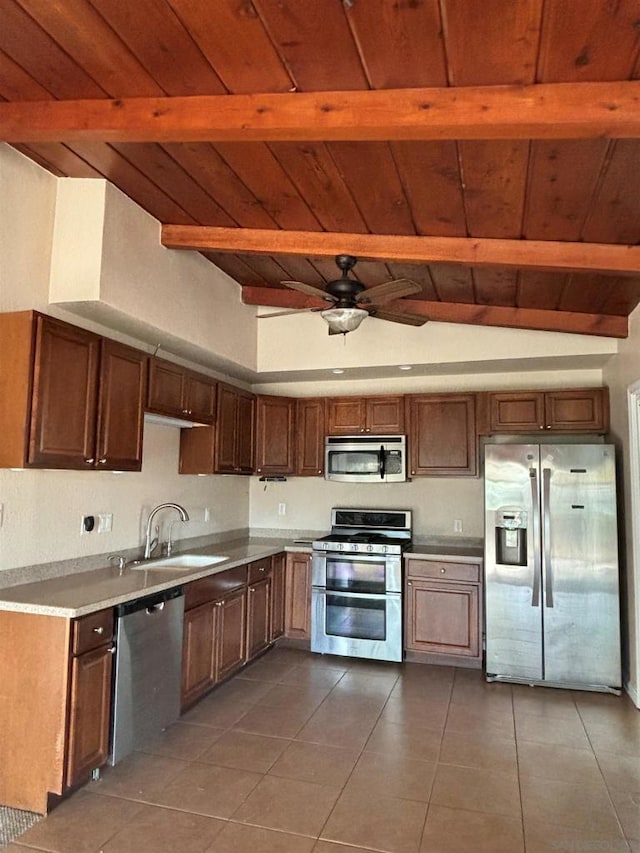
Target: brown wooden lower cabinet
point(258, 617)
point(443, 611)
point(278, 568)
point(55, 686)
point(198, 664)
point(230, 641)
point(298, 596)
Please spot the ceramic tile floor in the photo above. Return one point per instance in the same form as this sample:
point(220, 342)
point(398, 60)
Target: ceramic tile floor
point(307, 754)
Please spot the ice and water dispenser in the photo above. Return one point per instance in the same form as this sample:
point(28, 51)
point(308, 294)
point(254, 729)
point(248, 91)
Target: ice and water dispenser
point(511, 537)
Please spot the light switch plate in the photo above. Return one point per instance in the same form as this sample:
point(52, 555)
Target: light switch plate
point(105, 522)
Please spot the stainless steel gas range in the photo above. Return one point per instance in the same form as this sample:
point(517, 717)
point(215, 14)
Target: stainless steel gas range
point(357, 584)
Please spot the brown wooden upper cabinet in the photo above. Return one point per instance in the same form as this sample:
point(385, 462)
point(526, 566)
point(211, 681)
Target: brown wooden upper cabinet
point(310, 432)
point(180, 393)
point(275, 436)
point(375, 415)
point(75, 400)
point(567, 410)
point(227, 447)
point(442, 435)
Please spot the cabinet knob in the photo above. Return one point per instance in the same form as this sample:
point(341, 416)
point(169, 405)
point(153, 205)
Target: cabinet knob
point(102, 461)
point(90, 461)
point(112, 650)
point(548, 426)
point(261, 569)
point(541, 426)
point(219, 603)
point(99, 630)
point(413, 472)
point(185, 411)
point(442, 571)
point(252, 589)
point(409, 583)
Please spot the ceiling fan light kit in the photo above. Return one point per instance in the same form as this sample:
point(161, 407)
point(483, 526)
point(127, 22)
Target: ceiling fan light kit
point(343, 320)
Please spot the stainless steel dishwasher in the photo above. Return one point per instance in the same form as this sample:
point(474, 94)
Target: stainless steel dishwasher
point(148, 670)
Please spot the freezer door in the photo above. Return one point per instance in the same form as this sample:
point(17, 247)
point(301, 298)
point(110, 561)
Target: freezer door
point(512, 591)
point(580, 565)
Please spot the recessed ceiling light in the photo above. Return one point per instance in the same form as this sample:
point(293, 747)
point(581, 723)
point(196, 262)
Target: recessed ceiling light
point(405, 367)
point(337, 370)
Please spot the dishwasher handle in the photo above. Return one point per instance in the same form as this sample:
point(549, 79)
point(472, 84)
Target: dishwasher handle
point(151, 603)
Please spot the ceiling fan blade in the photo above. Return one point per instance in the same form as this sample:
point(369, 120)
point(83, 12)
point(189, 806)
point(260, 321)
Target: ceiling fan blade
point(389, 290)
point(309, 289)
point(286, 313)
point(397, 317)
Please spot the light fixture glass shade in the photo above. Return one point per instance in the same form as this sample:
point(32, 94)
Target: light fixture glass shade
point(343, 320)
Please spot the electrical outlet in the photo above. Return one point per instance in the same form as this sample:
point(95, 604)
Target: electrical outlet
point(87, 524)
point(282, 509)
point(105, 522)
point(457, 525)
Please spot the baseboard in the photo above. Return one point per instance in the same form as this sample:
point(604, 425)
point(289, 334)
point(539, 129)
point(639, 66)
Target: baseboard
point(633, 693)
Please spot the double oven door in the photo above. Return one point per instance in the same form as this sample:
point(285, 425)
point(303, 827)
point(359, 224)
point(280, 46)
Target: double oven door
point(357, 605)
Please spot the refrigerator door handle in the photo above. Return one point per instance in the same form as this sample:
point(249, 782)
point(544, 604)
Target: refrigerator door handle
point(533, 479)
point(548, 575)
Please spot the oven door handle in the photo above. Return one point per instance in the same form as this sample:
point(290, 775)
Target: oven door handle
point(382, 457)
point(369, 595)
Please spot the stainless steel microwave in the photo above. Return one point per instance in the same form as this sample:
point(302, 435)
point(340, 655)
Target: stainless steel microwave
point(366, 459)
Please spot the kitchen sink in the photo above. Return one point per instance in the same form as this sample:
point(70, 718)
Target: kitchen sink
point(180, 561)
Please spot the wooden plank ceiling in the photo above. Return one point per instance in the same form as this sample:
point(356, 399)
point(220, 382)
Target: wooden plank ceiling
point(575, 186)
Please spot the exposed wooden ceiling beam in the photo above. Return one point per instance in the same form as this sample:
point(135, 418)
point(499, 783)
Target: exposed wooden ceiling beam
point(540, 111)
point(473, 251)
point(478, 315)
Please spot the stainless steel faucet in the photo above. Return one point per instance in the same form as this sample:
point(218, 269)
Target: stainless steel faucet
point(149, 543)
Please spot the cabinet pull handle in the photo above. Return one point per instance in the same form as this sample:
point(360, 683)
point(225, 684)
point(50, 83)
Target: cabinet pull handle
point(99, 630)
point(90, 460)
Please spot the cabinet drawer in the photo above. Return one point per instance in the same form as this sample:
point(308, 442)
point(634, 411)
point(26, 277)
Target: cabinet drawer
point(469, 572)
point(92, 631)
point(213, 587)
point(259, 569)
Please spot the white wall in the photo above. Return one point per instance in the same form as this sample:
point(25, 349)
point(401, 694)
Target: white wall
point(42, 509)
point(622, 372)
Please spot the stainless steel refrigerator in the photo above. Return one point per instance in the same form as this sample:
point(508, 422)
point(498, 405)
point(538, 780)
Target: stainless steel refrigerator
point(551, 565)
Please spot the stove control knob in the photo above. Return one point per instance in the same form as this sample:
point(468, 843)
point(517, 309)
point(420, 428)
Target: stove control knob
point(369, 547)
point(384, 549)
point(340, 546)
point(355, 546)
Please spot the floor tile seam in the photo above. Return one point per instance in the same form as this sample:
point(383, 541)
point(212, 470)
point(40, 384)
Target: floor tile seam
point(236, 822)
point(519, 773)
point(513, 773)
point(564, 745)
point(355, 847)
point(609, 788)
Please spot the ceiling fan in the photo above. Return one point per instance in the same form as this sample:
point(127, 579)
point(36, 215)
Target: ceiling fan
point(352, 302)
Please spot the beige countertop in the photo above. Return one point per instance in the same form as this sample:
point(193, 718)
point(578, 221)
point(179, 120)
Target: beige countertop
point(85, 592)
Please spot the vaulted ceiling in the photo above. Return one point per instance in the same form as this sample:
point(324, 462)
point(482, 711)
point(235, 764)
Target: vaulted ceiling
point(488, 150)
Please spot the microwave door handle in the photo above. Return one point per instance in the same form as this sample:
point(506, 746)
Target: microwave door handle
point(382, 462)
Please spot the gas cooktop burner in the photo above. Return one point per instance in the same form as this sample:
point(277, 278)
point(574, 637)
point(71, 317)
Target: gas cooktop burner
point(369, 531)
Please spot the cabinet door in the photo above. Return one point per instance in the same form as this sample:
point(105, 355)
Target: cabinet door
point(277, 596)
point(310, 433)
point(198, 665)
point(442, 435)
point(258, 617)
point(519, 411)
point(225, 435)
point(90, 712)
point(230, 633)
point(298, 596)
point(121, 407)
point(346, 415)
point(65, 386)
point(166, 388)
point(579, 410)
point(385, 415)
point(199, 398)
point(197, 450)
point(275, 438)
point(245, 433)
point(442, 618)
